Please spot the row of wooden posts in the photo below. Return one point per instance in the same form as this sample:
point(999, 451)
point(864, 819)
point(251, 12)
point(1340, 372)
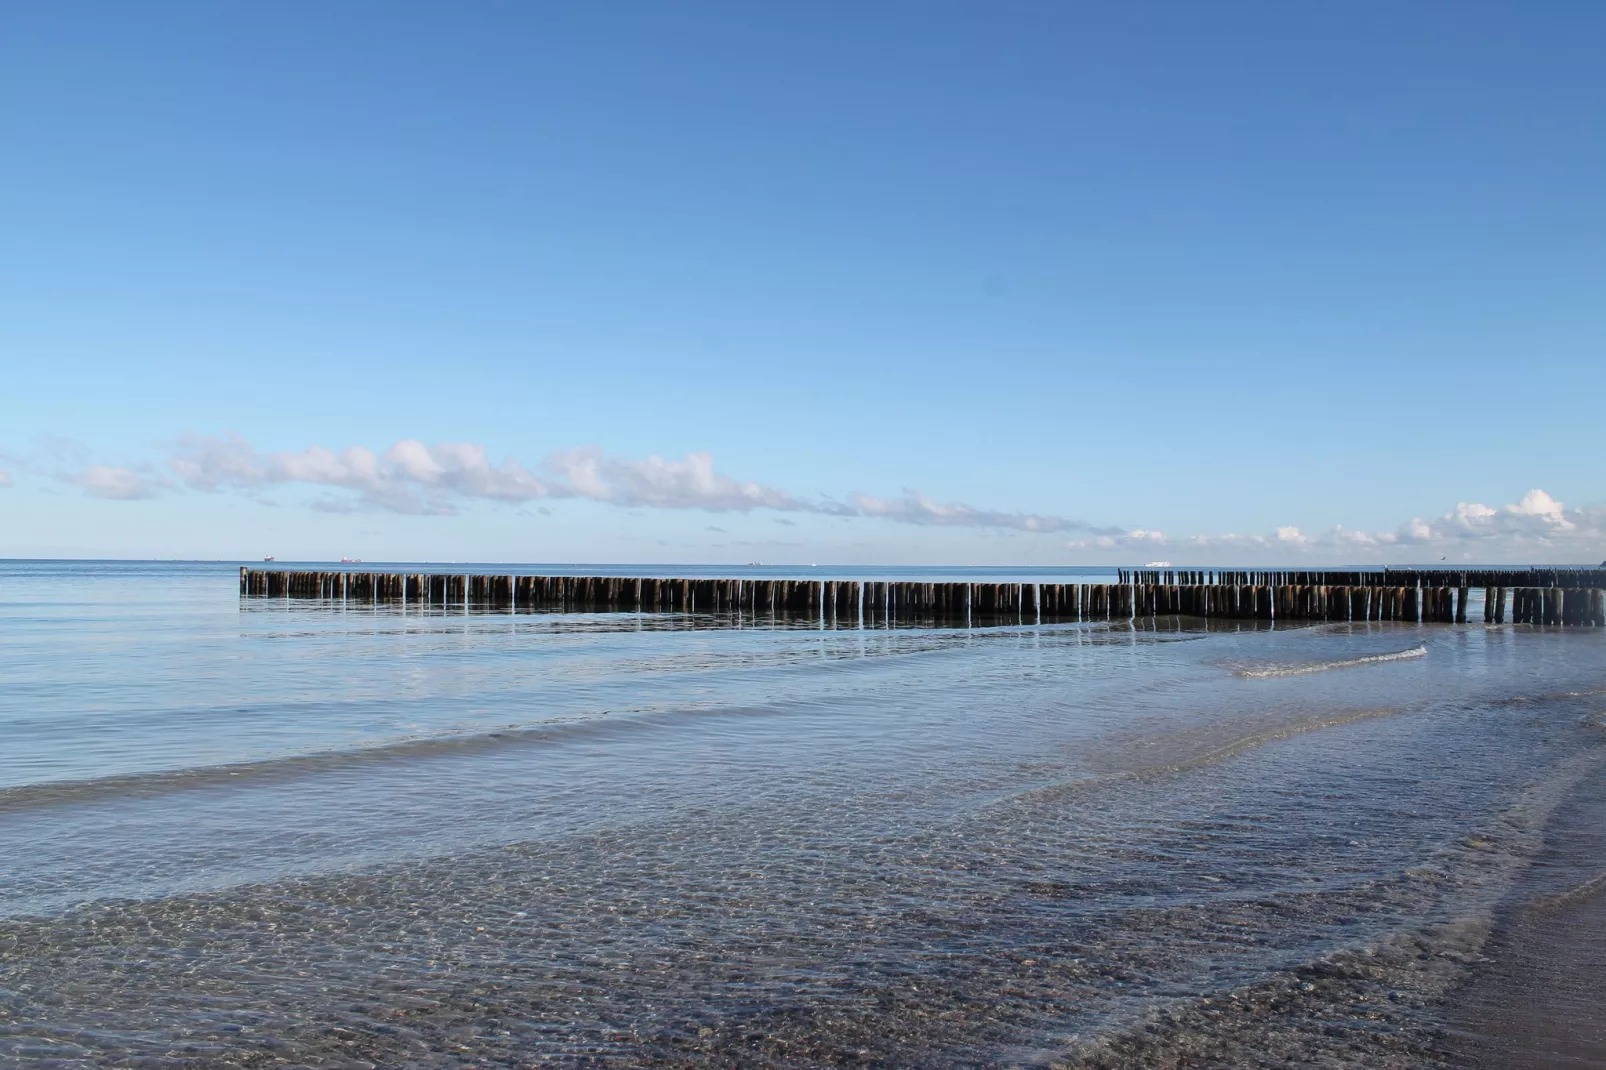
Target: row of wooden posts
point(1389, 577)
point(1577, 606)
point(886, 602)
point(843, 600)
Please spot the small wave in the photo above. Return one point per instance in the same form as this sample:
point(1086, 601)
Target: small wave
point(1570, 896)
point(166, 781)
point(1418, 651)
point(402, 749)
point(1210, 755)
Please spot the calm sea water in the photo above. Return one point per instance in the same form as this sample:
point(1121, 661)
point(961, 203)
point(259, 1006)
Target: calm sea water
point(239, 832)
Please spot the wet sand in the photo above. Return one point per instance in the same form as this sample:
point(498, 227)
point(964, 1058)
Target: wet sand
point(1538, 997)
point(1524, 989)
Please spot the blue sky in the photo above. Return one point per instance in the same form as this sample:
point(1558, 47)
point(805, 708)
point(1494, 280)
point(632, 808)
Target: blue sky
point(895, 282)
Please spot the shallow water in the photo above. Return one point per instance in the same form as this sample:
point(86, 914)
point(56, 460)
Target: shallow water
point(234, 833)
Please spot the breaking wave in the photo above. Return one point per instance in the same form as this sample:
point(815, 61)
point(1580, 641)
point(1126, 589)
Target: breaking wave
point(1418, 651)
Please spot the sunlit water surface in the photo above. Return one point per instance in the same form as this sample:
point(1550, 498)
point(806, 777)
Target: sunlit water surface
point(245, 832)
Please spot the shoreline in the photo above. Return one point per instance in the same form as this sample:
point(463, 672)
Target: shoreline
point(1519, 986)
point(1537, 998)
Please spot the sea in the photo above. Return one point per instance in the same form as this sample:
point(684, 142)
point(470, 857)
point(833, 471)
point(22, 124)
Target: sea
point(275, 832)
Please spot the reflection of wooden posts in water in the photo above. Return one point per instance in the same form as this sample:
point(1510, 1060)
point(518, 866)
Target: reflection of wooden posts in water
point(1217, 595)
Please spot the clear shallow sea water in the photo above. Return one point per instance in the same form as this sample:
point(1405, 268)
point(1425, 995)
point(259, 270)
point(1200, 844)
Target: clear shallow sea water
point(258, 833)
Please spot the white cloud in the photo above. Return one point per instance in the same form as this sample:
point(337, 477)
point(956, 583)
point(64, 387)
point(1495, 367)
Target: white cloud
point(1534, 503)
point(1536, 521)
point(463, 468)
point(1343, 536)
point(411, 477)
point(1473, 512)
point(1139, 540)
point(5, 478)
point(211, 464)
point(1536, 528)
point(917, 508)
point(123, 484)
point(1415, 531)
point(689, 483)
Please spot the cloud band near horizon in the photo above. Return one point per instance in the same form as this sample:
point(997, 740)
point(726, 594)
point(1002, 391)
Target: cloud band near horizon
point(412, 478)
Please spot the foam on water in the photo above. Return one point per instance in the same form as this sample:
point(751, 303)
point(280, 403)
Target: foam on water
point(1418, 651)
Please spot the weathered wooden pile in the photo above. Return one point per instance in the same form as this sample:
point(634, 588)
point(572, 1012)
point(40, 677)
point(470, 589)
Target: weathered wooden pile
point(873, 602)
point(1565, 597)
point(1577, 606)
point(1251, 578)
point(1388, 577)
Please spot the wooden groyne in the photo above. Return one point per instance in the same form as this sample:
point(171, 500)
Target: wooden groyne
point(1388, 577)
point(872, 602)
point(1207, 594)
